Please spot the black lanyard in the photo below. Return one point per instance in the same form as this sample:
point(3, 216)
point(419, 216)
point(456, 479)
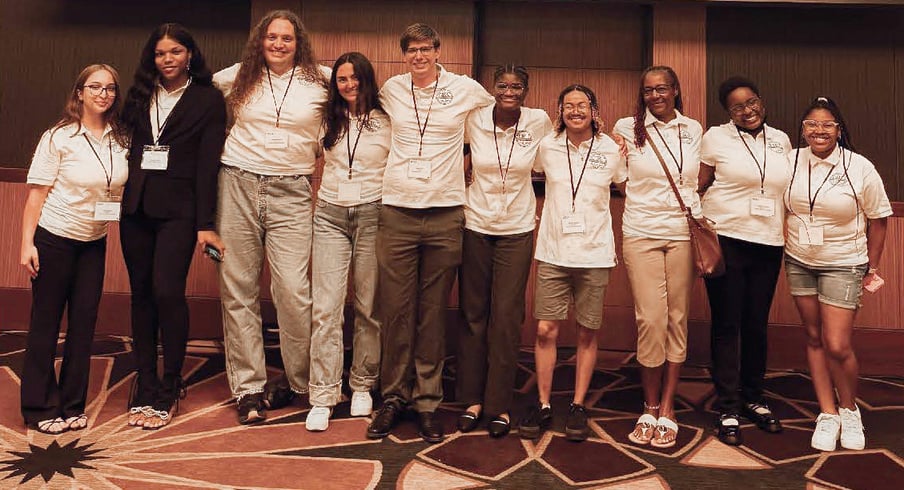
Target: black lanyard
point(283, 101)
point(678, 163)
point(359, 123)
point(811, 196)
point(157, 109)
point(762, 170)
point(504, 173)
point(574, 188)
point(109, 175)
point(422, 130)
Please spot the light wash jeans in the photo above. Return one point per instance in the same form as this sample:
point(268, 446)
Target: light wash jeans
point(344, 238)
point(258, 215)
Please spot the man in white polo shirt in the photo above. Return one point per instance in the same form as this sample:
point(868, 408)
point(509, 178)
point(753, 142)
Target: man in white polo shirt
point(421, 222)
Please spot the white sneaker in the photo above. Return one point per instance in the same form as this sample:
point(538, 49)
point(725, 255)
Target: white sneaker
point(851, 429)
point(826, 434)
point(362, 404)
point(318, 419)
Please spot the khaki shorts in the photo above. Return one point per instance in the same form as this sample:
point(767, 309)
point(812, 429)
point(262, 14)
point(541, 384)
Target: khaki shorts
point(558, 287)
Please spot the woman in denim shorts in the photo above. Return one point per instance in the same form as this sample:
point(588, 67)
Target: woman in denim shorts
point(836, 223)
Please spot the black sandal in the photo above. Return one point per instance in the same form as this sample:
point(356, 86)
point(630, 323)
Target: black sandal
point(77, 422)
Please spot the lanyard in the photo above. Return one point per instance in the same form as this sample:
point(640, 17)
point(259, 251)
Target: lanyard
point(574, 188)
point(359, 124)
point(504, 173)
point(109, 176)
point(811, 196)
point(761, 170)
point(283, 101)
point(157, 109)
point(422, 130)
point(678, 163)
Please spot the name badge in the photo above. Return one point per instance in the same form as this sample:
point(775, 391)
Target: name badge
point(349, 191)
point(155, 157)
point(809, 235)
point(276, 139)
point(761, 205)
point(107, 210)
point(573, 224)
point(418, 169)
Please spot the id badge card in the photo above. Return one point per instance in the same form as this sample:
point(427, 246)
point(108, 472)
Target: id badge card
point(349, 191)
point(107, 210)
point(418, 169)
point(155, 157)
point(573, 224)
point(276, 139)
point(810, 235)
point(762, 205)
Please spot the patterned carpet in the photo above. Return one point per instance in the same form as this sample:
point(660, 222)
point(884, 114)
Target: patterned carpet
point(204, 447)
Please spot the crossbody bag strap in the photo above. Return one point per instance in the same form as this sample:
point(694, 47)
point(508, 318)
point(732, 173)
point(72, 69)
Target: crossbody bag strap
point(666, 170)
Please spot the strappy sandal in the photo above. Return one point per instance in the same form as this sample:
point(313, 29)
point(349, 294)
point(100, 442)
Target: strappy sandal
point(77, 422)
point(160, 419)
point(139, 415)
point(666, 433)
point(643, 430)
point(52, 426)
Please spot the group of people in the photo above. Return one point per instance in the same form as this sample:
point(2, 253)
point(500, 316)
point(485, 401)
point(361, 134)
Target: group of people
point(426, 179)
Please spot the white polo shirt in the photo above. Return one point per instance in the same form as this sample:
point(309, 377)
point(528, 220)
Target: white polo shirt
point(293, 146)
point(651, 209)
point(77, 178)
point(369, 142)
point(490, 209)
point(745, 199)
point(436, 176)
point(582, 238)
point(835, 208)
point(167, 101)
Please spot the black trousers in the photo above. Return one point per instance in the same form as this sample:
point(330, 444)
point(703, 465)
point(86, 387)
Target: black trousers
point(493, 277)
point(739, 302)
point(158, 253)
point(71, 275)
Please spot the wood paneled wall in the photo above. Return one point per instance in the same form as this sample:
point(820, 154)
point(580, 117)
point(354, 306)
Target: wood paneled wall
point(679, 34)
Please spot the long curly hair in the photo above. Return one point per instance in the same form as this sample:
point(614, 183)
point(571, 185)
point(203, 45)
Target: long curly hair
point(253, 62)
point(336, 114)
point(640, 109)
point(73, 108)
point(138, 102)
point(596, 122)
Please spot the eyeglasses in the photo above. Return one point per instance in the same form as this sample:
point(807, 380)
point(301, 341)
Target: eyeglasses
point(96, 89)
point(753, 103)
point(659, 89)
point(424, 51)
point(514, 87)
point(582, 107)
point(823, 125)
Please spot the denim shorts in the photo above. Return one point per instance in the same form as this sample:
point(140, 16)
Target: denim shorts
point(836, 286)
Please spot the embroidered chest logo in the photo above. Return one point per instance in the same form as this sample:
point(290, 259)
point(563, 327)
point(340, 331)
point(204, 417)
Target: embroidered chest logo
point(373, 125)
point(836, 178)
point(444, 96)
point(305, 77)
point(597, 161)
point(775, 146)
point(686, 137)
point(524, 138)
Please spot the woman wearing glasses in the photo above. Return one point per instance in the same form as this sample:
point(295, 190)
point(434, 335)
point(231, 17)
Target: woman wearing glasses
point(745, 170)
point(276, 96)
point(656, 245)
point(178, 123)
point(74, 189)
point(836, 217)
point(356, 146)
point(497, 248)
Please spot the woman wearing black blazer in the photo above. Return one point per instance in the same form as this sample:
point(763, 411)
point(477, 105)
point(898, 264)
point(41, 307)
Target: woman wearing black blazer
point(178, 123)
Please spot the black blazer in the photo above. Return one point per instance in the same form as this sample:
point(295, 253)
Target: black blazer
point(187, 189)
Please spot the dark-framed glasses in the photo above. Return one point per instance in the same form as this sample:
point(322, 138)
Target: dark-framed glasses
point(424, 50)
point(752, 103)
point(823, 125)
point(658, 90)
point(95, 89)
point(502, 87)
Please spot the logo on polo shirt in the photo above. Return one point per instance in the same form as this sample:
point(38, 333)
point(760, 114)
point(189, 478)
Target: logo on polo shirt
point(686, 137)
point(836, 178)
point(444, 96)
point(597, 161)
point(775, 146)
point(524, 138)
point(373, 125)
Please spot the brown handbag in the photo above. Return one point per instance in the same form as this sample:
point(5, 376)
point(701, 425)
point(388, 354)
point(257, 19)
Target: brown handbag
point(708, 261)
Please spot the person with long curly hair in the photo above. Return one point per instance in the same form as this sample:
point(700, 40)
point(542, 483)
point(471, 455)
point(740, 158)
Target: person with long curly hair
point(178, 124)
point(74, 189)
point(275, 96)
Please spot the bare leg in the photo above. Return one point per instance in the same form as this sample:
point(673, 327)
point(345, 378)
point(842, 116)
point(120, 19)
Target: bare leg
point(586, 362)
point(809, 309)
point(837, 328)
point(545, 356)
point(671, 374)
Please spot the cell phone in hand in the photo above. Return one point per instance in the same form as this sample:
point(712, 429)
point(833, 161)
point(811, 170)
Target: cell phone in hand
point(213, 253)
point(875, 284)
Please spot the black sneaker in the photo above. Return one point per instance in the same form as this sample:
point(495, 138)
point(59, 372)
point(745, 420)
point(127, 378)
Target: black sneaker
point(251, 408)
point(384, 420)
point(277, 393)
point(576, 428)
point(536, 421)
point(730, 429)
point(761, 415)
